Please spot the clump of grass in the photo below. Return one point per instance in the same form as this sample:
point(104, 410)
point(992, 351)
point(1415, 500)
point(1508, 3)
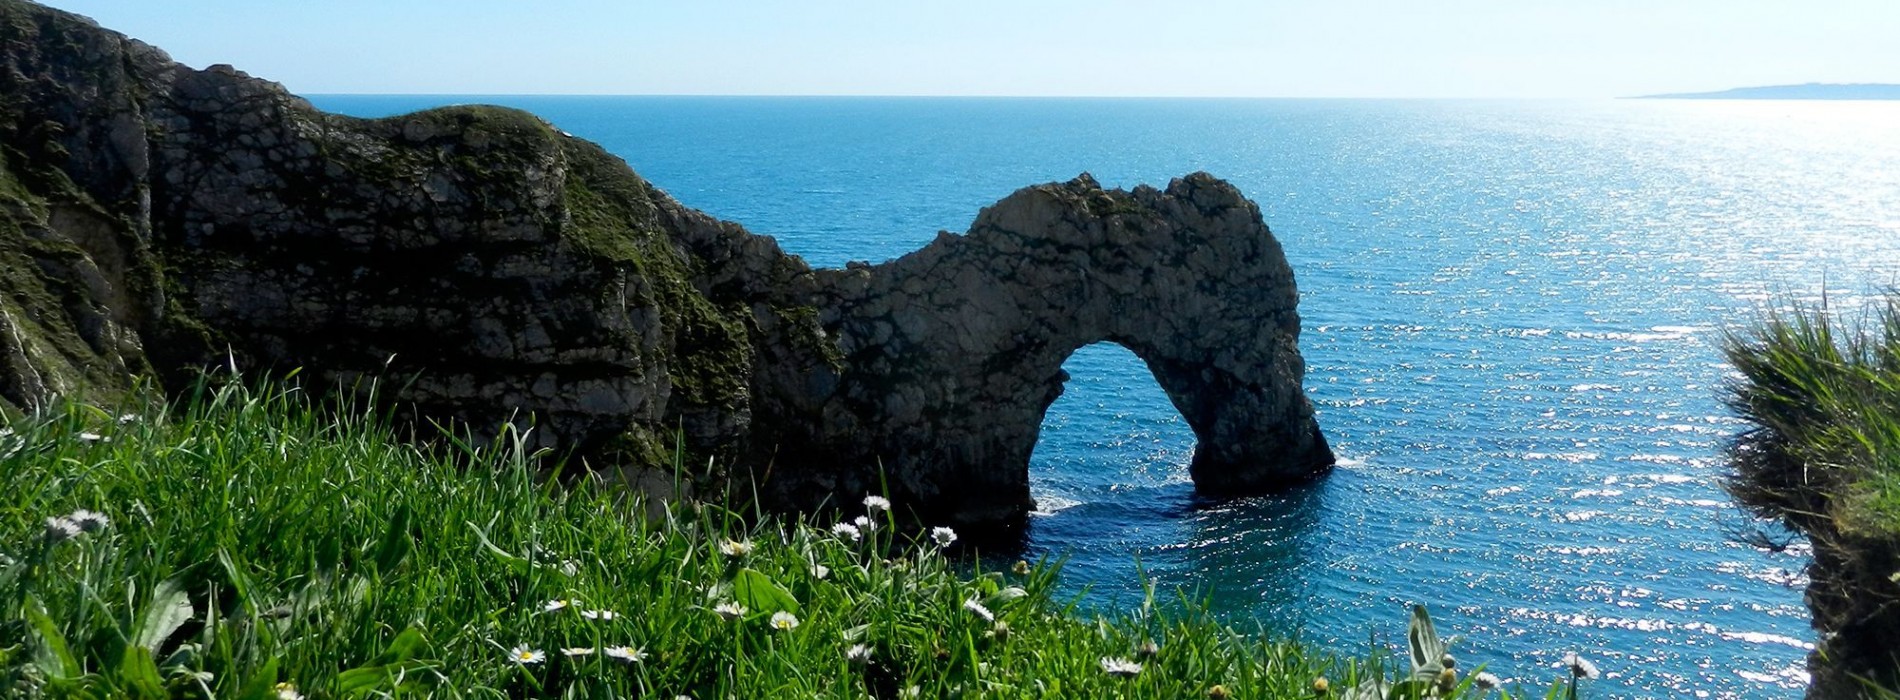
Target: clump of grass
point(1822, 456)
point(247, 544)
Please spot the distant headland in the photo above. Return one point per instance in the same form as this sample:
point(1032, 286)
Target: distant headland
point(1804, 91)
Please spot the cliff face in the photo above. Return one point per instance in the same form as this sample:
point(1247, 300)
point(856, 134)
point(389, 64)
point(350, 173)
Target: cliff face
point(155, 219)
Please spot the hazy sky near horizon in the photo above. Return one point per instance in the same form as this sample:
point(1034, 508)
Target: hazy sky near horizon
point(1238, 48)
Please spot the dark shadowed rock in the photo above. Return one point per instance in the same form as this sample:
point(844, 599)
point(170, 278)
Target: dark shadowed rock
point(155, 219)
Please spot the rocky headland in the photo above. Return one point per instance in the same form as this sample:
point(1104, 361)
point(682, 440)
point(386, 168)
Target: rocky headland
point(157, 219)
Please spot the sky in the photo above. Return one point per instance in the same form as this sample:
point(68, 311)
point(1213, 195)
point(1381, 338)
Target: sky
point(1195, 48)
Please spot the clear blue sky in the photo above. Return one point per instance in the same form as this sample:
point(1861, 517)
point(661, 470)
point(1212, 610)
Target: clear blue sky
point(1257, 48)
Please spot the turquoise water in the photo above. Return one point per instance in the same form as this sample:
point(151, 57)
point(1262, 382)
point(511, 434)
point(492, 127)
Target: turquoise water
point(1510, 315)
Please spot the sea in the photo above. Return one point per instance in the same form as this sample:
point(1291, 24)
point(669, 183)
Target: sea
point(1513, 313)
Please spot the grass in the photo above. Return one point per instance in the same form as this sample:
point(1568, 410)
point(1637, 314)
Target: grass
point(251, 545)
point(1822, 455)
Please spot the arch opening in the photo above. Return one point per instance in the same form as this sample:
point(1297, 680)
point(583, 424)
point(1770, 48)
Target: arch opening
point(1110, 443)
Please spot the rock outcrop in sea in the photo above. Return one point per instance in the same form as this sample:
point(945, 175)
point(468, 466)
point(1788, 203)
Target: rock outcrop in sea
point(156, 219)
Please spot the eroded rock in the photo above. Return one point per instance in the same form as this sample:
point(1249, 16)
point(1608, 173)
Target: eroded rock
point(155, 219)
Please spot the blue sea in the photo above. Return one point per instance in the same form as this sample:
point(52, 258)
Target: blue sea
point(1512, 317)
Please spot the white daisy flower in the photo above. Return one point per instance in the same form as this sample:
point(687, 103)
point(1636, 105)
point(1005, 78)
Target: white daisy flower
point(521, 654)
point(730, 610)
point(628, 654)
point(784, 621)
point(90, 437)
point(1120, 668)
point(1579, 666)
point(943, 535)
point(558, 604)
point(61, 529)
point(978, 610)
point(735, 548)
point(876, 504)
point(820, 571)
point(599, 614)
point(286, 691)
point(847, 531)
point(128, 418)
point(1486, 680)
point(864, 524)
point(572, 652)
point(89, 521)
point(858, 654)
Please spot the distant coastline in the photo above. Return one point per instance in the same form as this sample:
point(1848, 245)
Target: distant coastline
point(1805, 91)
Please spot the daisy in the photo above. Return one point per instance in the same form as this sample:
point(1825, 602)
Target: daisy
point(735, 548)
point(978, 610)
point(858, 654)
point(89, 521)
point(864, 524)
point(558, 604)
point(286, 691)
point(1021, 568)
point(876, 504)
point(572, 652)
point(847, 531)
point(1485, 680)
point(1120, 668)
point(943, 535)
point(1579, 666)
point(783, 621)
point(90, 437)
point(1148, 649)
point(61, 529)
point(521, 654)
point(599, 614)
point(730, 610)
point(627, 654)
point(820, 571)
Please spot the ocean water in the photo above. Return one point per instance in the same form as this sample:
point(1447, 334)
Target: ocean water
point(1511, 310)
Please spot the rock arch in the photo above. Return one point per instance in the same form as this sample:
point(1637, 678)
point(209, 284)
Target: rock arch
point(949, 356)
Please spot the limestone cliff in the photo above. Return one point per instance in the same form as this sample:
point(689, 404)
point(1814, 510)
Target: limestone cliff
point(155, 219)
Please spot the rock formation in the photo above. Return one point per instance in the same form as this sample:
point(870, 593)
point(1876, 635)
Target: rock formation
point(155, 219)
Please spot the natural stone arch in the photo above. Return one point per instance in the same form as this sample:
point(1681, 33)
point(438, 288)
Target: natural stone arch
point(951, 355)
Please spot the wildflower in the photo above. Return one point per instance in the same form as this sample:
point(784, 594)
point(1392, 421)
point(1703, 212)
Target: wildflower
point(1148, 649)
point(735, 548)
point(89, 521)
point(572, 652)
point(1120, 668)
point(599, 614)
point(558, 605)
point(1320, 686)
point(128, 418)
point(876, 504)
point(1219, 692)
point(819, 571)
point(524, 656)
point(1485, 680)
point(864, 524)
point(784, 621)
point(1579, 666)
point(729, 610)
point(847, 531)
point(90, 437)
point(943, 535)
point(858, 654)
point(913, 691)
point(978, 610)
point(1021, 568)
point(61, 529)
point(569, 568)
point(286, 691)
point(627, 654)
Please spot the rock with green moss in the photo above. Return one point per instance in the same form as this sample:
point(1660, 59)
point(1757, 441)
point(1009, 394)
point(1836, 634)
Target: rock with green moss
point(489, 268)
